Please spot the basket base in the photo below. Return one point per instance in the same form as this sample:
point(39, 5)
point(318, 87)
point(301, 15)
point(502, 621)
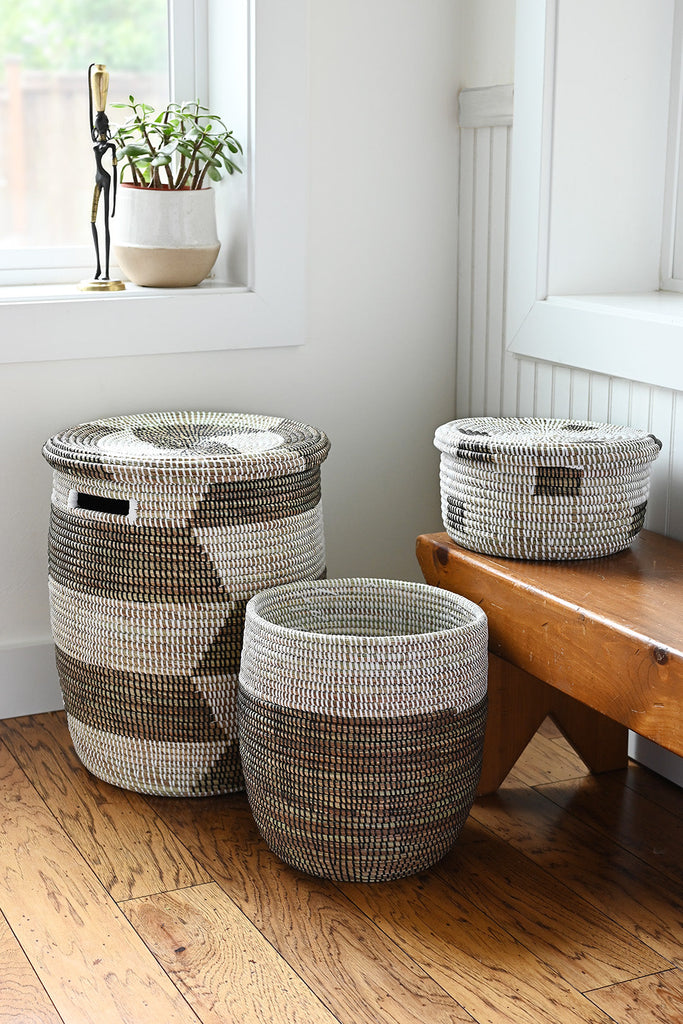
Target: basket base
point(359, 800)
point(158, 768)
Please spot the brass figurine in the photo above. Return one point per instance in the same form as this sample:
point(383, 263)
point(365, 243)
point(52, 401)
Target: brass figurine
point(98, 87)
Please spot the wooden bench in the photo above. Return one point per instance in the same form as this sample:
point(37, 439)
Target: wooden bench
point(596, 644)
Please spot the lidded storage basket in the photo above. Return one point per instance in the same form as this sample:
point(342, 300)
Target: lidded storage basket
point(163, 525)
point(362, 709)
point(544, 489)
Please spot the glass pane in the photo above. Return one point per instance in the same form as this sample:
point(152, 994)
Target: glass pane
point(47, 166)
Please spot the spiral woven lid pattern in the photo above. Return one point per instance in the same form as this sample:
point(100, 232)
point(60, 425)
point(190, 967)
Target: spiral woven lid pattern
point(516, 439)
point(217, 445)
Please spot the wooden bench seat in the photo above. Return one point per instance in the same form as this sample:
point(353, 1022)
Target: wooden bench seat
point(597, 644)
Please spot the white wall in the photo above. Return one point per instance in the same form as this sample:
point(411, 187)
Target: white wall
point(377, 370)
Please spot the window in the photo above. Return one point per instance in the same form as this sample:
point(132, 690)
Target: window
point(46, 159)
point(251, 56)
point(672, 234)
point(592, 87)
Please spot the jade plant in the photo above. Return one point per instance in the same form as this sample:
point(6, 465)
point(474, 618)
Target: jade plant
point(179, 148)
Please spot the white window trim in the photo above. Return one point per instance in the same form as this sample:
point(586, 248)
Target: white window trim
point(48, 322)
point(635, 336)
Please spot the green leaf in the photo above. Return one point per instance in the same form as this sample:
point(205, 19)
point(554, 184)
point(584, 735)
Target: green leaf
point(161, 160)
point(214, 174)
point(136, 151)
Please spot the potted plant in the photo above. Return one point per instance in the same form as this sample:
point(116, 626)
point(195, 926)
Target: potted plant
point(165, 229)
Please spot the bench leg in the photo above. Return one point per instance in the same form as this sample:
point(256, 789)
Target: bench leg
point(519, 703)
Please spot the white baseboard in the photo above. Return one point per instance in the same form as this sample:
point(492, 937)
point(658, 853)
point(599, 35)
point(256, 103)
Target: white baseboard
point(656, 758)
point(29, 683)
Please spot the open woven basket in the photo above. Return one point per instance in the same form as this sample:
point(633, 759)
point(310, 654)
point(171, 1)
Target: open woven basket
point(544, 488)
point(362, 709)
point(163, 525)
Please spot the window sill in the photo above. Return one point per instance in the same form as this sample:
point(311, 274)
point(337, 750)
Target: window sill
point(635, 336)
point(54, 322)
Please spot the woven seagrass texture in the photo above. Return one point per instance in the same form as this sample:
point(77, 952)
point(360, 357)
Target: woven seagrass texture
point(162, 527)
point(362, 709)
point(544, 489)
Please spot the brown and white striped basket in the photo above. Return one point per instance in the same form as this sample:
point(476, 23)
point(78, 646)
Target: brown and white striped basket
point(544, 489)
point(163, 525)
point(362, 709)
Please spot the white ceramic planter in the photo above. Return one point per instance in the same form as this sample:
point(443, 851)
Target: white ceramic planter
point(165, 238)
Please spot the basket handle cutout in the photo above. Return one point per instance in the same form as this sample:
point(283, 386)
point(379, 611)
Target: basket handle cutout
point(98, 503)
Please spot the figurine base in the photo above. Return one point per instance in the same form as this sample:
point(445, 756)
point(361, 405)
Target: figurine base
point(101, 285)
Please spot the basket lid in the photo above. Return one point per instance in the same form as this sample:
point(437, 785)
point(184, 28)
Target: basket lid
point(218, 445)
point(517, 438)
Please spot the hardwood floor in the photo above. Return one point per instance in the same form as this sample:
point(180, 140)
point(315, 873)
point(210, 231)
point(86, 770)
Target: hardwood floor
point(561, 903)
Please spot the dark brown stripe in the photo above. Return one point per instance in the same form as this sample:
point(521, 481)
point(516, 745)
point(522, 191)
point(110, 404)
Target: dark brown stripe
point(232, 503)
point(359, 799)
point(121, 560)
point(150, 707)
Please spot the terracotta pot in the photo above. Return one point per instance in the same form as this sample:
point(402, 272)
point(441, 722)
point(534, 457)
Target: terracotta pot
point(165, 238)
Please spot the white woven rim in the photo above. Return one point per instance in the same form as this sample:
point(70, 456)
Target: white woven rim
point(364, 647)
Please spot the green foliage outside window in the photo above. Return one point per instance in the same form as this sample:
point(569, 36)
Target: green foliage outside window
point(68, 35)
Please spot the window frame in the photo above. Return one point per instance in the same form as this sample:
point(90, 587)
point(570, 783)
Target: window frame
point(46, 321)
point(638, 336)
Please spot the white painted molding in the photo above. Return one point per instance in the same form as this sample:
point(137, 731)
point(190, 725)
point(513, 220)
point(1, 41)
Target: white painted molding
point(488, 107)
point(617, 335)
point(657, 759)
point(29, 684)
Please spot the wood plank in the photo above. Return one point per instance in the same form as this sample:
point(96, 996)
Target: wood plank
point(464, 950)
point(570, 934)
point(94, 967)
point(222, 964)
point(654, 788)
point(607, 632)
point(361, 975)
point(654, 1000)
point(628, 891)
point(548, 759)
point(129, 848)
point(22, 997)
point(648, 831)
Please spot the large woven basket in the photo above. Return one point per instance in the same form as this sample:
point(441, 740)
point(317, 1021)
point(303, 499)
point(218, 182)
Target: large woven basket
point(163, 525)
point(544, 489)
point(362, 709)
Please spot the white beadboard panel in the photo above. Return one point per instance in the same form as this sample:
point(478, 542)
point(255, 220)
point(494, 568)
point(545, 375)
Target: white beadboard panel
point(493, 382)
point(498, 170)
point(562, 392)
point(482, 208)
point(581, 395)
point(466, 176)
